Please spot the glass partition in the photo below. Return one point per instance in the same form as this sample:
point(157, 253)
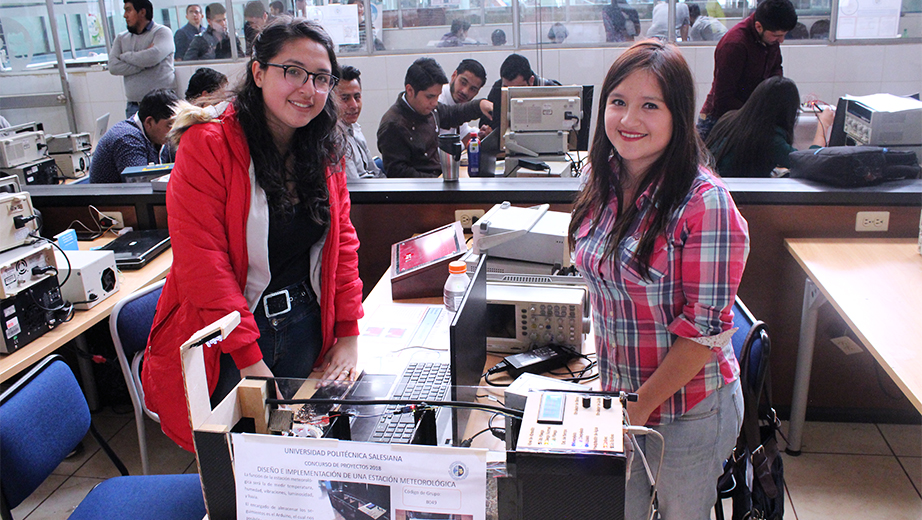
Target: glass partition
point(436, 25)
point(27, 41)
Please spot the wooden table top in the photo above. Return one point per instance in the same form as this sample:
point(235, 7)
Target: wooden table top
point(129, 281)
point(876, 286)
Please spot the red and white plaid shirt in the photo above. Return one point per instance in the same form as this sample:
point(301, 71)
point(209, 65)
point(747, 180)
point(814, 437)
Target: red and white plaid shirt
point(695, 270)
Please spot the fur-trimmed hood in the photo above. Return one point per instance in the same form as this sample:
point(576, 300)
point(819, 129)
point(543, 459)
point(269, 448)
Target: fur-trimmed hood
point(186, 114)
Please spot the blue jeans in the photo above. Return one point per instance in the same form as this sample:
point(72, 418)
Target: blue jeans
point(705, 125)
point(290, 344)
point(696, 446)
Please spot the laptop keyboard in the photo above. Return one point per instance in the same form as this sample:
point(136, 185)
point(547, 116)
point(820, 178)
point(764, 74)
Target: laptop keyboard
point(419, 382)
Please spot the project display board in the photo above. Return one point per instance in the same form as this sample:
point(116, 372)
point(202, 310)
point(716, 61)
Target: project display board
point(308, 479)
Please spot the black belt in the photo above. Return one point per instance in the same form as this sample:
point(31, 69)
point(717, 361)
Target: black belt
point(279, 302)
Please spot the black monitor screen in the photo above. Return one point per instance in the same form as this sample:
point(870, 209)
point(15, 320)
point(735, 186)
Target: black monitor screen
point(468, 348)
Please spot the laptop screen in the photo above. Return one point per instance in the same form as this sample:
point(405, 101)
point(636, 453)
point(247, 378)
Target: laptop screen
point(468, 346)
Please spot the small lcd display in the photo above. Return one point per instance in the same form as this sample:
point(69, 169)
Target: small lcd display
point(426, 248)
point(501, 321)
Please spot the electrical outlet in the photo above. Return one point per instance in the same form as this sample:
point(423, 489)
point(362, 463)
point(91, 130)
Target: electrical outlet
point(115, 216)
point(846, 345)
point(872, 221)
point(467, 217)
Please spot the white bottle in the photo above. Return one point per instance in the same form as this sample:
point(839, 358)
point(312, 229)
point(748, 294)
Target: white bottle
point(455, 285)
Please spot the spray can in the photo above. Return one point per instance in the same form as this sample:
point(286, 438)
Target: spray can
point(473, 156)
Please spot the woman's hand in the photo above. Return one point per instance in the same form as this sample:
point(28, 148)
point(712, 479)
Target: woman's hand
point(825, 119)
point(258, 369)
point(638, 413)
point(339, 362)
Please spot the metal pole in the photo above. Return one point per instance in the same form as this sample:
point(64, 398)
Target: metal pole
point(670, 21)
point(515, 24)
point(231, 28)
point(62, 67)
point(833, 21)
point(813, 300)
point(104, 22)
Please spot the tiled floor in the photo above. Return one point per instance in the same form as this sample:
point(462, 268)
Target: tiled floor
point(847, 471)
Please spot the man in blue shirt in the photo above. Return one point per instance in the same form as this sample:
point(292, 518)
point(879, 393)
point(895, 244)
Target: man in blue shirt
point(136, 141)
point(183, 36)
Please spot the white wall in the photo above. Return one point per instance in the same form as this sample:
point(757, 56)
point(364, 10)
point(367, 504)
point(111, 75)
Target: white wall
point(822, 71)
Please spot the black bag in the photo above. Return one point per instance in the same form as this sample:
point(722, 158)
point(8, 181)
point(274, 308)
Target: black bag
point(754, 475)
point(853, 166)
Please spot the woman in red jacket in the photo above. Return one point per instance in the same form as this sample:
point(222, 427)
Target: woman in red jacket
point(259, 221)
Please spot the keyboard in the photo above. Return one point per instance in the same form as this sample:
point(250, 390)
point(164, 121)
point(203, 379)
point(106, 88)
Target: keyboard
point(419, 382)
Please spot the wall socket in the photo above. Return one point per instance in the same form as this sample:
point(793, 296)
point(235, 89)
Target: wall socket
point(467, 217)
point(872, 221)
point(847, 345)
point(116, 216)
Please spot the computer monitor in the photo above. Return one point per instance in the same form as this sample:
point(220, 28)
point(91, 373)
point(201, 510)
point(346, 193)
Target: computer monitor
point(536, 114)
point(468, 347)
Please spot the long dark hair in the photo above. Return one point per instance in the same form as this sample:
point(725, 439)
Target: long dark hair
point(746, 134)
point(674, 170)
point(313, 148)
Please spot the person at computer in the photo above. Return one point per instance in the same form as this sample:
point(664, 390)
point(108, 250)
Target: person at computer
point(259, 223)
point(621, 22)
point(136, 141)
point(204, 81)
point(359, 163)
point(463, 86)
point(748, 54)
point(514, 72)
point(143, 54)
point(456, 35)
point(255, 16)
point(183, 36)
point(703, 27)
point(408, 136)
point(662, 247)
point(659, 24)
point(754, 140)
point(214, 43)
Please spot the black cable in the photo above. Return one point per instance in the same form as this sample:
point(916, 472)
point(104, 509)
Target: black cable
point(52, 242)
point(401, 402)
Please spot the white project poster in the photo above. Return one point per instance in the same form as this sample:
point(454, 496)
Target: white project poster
point(340, 21)
point(868, 19)
point(322, 479)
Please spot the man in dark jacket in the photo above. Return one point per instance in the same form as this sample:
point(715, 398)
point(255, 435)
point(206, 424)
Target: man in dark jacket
point(514, 72)
point(748, 54)
point(214, 43)
point(408, 135)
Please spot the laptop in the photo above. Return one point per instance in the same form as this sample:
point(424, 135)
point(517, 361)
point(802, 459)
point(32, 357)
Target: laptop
point(431, 376)
point(135, 249)
point(102, 124)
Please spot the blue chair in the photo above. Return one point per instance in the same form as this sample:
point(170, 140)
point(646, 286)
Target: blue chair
point(129, 325)
point(43, 417)
point(752, 347)
point(380, 164)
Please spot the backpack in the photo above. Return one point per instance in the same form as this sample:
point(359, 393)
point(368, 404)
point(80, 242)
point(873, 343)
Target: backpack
point(754, 474)
point(853, 166)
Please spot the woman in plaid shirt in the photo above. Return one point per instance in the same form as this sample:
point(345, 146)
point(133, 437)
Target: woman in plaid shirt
point(662, 247)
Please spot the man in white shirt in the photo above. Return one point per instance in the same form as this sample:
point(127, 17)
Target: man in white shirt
point(704, 28)
point(466, 82)
point(659, 21)
point(359, 163)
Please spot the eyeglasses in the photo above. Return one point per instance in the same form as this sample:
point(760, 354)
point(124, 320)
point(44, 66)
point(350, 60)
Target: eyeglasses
point(297, 76)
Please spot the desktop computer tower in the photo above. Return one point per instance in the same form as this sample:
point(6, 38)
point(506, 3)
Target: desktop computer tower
point(551, 486)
